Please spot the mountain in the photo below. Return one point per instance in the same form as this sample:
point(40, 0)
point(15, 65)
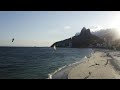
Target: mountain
point(63, 43)
point(107, 33)
point(82, 40)
point(110, 36)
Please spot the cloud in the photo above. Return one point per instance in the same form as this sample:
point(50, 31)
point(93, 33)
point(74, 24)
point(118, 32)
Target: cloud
point(67, 27)
point(95, 28)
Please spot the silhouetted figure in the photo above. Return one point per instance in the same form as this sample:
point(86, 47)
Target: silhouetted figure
point(107, 54)
point(13, 39)
point(106, 62)
point(88, 75)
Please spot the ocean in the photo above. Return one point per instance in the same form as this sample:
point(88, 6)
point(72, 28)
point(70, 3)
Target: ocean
point(36, 62)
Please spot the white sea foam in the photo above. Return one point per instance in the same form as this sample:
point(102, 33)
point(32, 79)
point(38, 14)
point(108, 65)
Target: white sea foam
point(51, 74)
point(85, 57)
point(59, 69)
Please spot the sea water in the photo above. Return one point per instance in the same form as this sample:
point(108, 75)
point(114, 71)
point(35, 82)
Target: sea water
point(36, 62)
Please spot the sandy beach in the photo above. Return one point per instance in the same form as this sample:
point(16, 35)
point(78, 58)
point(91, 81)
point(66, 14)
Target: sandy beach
point(102, 64)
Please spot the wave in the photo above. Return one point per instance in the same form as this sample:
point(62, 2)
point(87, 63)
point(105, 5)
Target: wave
point(51, 74)
point(63, 67)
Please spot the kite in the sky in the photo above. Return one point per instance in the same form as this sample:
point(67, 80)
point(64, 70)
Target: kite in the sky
point(13, 39)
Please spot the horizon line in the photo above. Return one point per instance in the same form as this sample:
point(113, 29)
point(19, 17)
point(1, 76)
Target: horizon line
point(24, 46)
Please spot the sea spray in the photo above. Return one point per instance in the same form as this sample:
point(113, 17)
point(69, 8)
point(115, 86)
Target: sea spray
point(49, 76)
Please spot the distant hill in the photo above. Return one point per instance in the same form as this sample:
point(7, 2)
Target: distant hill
point(82, 40)
point(110, 36)
point(106, 33)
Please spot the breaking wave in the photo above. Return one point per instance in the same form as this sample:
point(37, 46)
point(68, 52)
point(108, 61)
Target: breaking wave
point(61, 68)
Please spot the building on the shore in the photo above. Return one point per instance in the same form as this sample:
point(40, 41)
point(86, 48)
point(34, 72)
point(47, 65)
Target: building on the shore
point(99, 45)
point(70, 43)
point(116, 44)
point(90, 46)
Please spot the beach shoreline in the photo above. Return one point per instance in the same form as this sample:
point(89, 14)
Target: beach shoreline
point(101, 64)
point(62, 73)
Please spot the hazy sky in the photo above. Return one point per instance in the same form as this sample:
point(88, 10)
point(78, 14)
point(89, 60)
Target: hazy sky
point(42, 28)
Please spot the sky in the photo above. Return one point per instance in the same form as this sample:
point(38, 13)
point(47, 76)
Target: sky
point(43, 28)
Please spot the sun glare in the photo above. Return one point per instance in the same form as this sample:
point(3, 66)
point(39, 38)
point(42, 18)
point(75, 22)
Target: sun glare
point(115, 23)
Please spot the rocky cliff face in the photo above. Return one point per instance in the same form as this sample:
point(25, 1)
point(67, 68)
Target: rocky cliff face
point(84, 39)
